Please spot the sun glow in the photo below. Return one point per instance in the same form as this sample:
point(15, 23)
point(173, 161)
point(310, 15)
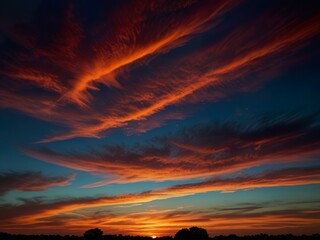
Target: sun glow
point(154, 237)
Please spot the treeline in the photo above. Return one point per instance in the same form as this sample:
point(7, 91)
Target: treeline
point(268, 237)
point(7, 236)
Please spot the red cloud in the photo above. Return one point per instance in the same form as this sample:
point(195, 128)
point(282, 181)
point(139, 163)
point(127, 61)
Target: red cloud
point(168, 222)
point(194, 152)
point(36, 211)
point(55, 75)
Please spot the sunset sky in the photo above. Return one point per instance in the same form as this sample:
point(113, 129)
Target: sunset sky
point(144, 117)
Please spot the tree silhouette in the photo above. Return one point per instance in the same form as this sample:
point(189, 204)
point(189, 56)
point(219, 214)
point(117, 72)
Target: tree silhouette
point(193, 233)
point(182, 234)
point(198, 233)
point(94, 233)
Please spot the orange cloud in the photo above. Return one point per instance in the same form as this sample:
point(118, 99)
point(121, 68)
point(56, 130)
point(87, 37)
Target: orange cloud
point(163, 223)
point(198, 151)
point(31, 212)
point(118, 71)
point(121, 41)
point(191, 73)
point(131, 40)
point(169, 221)
point(154, 121)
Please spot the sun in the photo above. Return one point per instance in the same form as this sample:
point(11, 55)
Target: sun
point(153, 237)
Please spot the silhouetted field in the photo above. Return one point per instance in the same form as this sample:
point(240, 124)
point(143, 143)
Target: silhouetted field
point(6, 236)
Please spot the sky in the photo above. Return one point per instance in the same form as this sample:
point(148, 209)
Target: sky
point(145, 117)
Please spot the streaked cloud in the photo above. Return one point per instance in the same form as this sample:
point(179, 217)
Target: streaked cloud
point(168, 222)
point(155, 121)
point(130, 72)
point(31, 211)
point(30, 181)
point(198, 151)
point(255, 219)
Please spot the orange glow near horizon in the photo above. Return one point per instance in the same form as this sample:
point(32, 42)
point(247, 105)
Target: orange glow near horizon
point(168, 222)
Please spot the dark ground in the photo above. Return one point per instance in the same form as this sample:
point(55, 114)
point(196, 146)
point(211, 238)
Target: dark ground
point(6, 236)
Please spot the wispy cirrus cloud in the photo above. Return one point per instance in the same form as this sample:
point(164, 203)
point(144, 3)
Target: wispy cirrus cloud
point(32, 211)
point(30, 181)
point(92, 84)
point(121, 42)
point(198, 151)
point(155, 121)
